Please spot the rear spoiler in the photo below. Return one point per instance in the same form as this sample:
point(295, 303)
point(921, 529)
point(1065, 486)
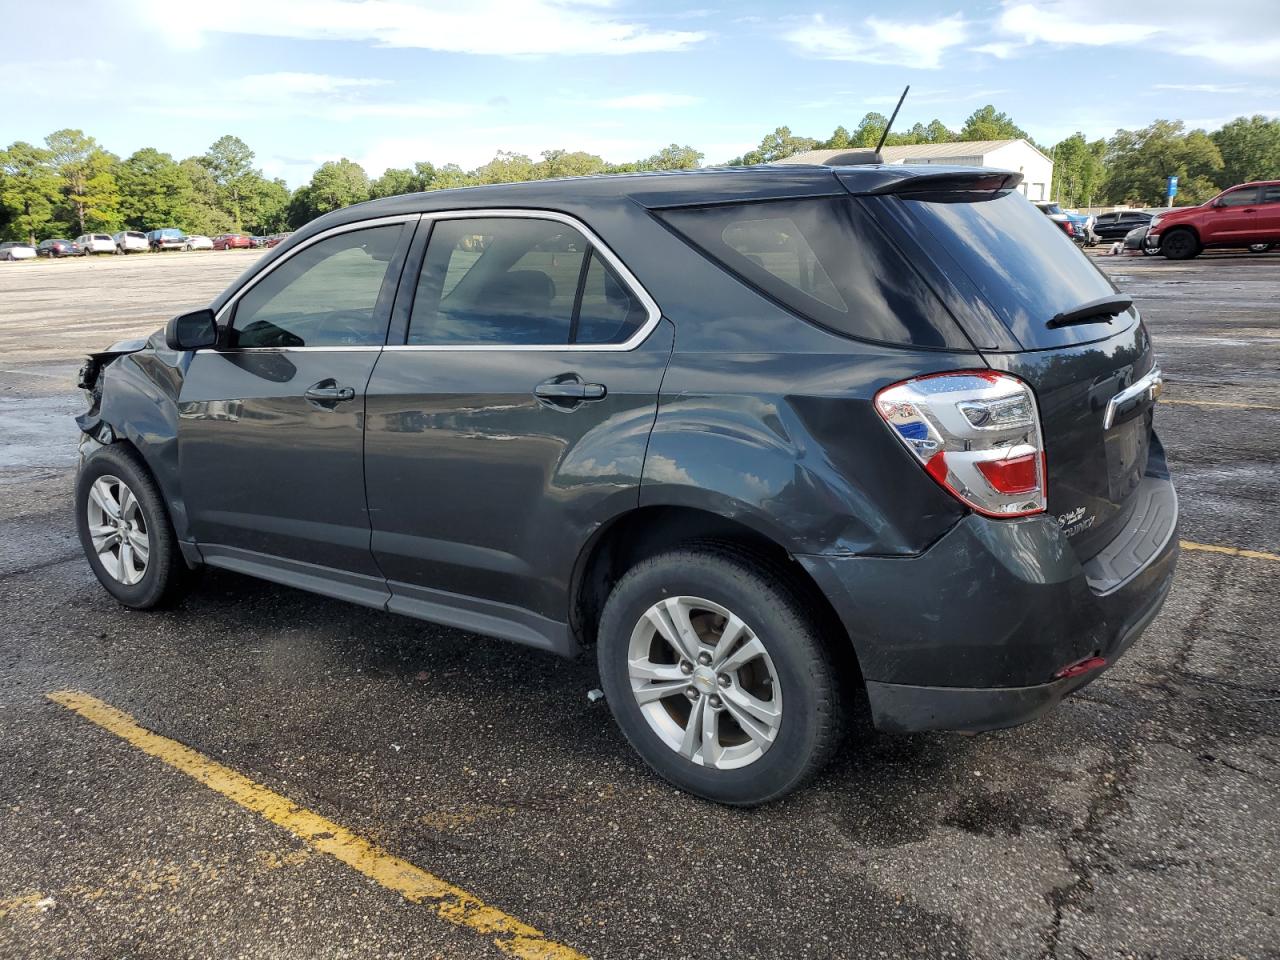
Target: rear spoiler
point(954, 183)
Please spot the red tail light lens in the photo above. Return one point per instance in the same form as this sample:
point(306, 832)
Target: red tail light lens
point(977, 433)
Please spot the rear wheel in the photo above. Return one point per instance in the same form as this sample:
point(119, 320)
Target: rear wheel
point(717, 675)
point(1259, 247)
point(125, 531)
point(1179, 244)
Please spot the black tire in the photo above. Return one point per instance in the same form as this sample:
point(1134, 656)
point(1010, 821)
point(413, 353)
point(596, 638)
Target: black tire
point(1179, 244)
point(1259, 247)
point(761, 595)
point(166, 572)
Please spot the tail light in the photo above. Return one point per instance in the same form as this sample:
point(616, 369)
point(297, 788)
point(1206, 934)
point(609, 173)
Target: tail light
point(1069, 227)
point(977, 433)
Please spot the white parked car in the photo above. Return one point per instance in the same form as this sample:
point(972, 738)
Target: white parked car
point(17, 251)
point(131, 241)
point(96, 243)
point(196, 241)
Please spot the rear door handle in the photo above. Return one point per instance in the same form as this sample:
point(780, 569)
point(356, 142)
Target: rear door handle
point(566, 392)
point(328, 391)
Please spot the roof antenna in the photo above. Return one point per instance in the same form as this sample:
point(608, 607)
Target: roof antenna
point(852, 158)
point(892, 117)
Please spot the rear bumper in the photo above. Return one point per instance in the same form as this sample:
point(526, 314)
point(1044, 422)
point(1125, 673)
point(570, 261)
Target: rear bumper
point(970, 634)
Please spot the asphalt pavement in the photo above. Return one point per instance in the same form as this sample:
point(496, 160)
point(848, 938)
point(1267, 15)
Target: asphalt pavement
point(1140, 819)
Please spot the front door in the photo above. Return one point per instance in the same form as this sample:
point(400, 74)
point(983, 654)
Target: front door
point(271, 422)
point(1234, 218)
point(511, 420)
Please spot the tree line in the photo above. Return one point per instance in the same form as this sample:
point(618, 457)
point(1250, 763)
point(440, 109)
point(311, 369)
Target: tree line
point(72, 185)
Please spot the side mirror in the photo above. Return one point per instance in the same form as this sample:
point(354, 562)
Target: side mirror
point(191, 331)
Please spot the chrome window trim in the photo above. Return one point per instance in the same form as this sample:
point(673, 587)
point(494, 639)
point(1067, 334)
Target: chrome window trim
point(322, 235)
point(609, 257)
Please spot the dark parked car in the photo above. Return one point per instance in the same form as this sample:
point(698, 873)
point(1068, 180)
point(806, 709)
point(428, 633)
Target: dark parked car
point(759, 437)
point(58, 248)
point(1114, 226)
point(168, 238)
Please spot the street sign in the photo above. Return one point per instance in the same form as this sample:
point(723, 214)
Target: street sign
point(1171, 187)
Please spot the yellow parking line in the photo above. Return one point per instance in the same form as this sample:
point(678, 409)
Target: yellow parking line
point(1229, 551)
point(511, 936)
point(1221, 403)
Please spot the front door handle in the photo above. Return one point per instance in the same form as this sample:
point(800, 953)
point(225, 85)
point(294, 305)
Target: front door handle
point(328, 391)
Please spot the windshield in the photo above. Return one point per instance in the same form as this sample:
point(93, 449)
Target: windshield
point(1020, 262)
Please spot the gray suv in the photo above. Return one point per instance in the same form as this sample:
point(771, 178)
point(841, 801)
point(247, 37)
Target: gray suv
point(774, 443)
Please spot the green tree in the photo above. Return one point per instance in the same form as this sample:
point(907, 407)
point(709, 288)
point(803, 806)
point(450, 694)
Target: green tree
point(269, 202)
point(1138, 161)
point(90, 197)
point(336, 184)
point(155, 191)
point(939, 132)
point(839, 140)
point(230, 163)
point(568, 163)
point(673, 157)
point(506, 168)
point(869, 129)
point(396, 181)
point(1250, 148)
point(1078, 170)
point(986, 124)
point(778, 145)
point(205, 215)
point(28, 191)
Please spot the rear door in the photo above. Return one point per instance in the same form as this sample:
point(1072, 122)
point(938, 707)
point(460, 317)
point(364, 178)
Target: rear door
point(1269, 214)
point(511, 419)
point(271, 422)
point(1005, 263)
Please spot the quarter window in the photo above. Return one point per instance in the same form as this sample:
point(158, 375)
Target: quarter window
point(517, 282)
point(324, 295)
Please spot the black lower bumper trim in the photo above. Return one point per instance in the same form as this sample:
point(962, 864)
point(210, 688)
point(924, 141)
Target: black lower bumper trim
point(904, 708)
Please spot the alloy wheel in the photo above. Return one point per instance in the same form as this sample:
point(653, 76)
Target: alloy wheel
point(704, 683)
point(118, 530)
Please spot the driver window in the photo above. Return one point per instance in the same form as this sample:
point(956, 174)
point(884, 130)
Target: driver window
point(1240, 198)
point(323, 296)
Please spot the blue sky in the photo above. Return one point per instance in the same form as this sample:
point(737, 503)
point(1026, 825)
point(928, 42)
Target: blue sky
point(387, 82)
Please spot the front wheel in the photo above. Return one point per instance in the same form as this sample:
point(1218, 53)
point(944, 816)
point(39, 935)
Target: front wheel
point(1259, 247)
point(718, 676)
point(1179, 244)
point(125, 531)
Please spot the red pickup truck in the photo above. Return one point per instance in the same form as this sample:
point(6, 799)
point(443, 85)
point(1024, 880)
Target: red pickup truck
point(1243, 216)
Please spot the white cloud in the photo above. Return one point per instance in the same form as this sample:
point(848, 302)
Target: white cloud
point(887, 42)
point(649, 101)
point(1243, 35)
point(495, 27)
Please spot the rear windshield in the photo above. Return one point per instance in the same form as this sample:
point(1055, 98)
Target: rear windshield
point(826, 260)
point(1024, 266)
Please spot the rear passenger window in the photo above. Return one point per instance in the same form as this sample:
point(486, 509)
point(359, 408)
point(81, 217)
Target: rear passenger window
point(518, 281)
point(1271, 194)
point(825, 260)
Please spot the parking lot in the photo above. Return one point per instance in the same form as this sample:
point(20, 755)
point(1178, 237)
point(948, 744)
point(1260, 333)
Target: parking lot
point(300, 777)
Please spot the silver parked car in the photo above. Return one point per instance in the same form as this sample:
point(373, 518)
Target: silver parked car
point(96, 243)
point(17, 251)
point(131, 241)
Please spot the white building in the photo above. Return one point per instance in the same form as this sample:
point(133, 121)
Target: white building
point(1035, 167)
